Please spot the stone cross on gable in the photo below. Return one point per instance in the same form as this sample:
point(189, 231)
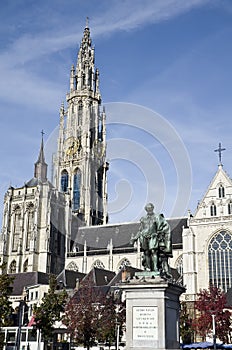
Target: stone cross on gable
point(220, 150)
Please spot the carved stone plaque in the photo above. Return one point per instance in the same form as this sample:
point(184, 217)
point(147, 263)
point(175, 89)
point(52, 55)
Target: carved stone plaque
point(145, 323)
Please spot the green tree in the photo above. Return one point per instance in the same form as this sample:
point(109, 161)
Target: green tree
point(50, 310)
point(5, 304)
point(186, 324)
point(212, 302)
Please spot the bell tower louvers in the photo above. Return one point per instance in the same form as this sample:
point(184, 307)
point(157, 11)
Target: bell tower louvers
point(80, 162)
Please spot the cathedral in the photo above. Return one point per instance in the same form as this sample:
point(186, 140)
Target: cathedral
point(62, 224)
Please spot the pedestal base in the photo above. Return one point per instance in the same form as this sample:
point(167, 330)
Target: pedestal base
point(152, 313)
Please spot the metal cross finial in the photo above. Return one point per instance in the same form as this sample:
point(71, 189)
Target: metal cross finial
point(220, 150)
point(42, 133)
point(87, 22)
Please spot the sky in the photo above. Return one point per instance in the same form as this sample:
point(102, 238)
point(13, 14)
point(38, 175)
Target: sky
point(165, 81)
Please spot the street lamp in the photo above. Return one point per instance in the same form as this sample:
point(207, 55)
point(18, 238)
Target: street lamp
point(214, 332)
point(117, 335)
point(20, 323)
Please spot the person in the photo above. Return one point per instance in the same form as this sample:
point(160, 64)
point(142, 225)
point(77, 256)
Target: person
point(155, 238)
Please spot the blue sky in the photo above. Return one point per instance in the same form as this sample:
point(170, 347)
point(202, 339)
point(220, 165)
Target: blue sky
point(172, 57)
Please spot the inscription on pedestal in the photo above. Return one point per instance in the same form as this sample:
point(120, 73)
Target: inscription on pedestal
point(145, 323)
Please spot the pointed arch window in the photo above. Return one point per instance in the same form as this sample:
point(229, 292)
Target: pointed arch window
point(64, 181)
point(30, 226)
point(12, 268)
point(72, 266)
point(83, 79)
point(220, 260)
point(179, 265)
point(80, 106)
point(76, 189)
point(230, 207)
point(90, 78)
point(213, 209)
point(123, 263)
point(17, 230)
point(25, 266)
point(99, 184)
point(98, 264)
point(80, 112)
point(221, 191)
point(72, 108)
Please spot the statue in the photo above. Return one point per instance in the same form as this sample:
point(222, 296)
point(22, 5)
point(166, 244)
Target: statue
point(155, 240)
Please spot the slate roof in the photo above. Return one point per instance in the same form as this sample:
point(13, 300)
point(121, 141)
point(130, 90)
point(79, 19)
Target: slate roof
point(229, 298)
point(98, 238)
point(68, 278)
point(177, 225)
point(98, 277)
point(32, 182)
point(26, 279)
point(35, 181)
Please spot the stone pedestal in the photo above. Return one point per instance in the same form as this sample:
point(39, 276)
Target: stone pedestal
point(152, 313)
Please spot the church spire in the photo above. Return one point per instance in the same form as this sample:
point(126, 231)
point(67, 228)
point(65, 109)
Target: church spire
point(84, 77)
point(80, 165)
point(86, 40)
point(40, 170)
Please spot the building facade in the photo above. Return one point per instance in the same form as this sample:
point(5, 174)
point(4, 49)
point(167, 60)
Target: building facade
point(34, 225)
point(207, 242)
point(47, 227)
point(202, 242)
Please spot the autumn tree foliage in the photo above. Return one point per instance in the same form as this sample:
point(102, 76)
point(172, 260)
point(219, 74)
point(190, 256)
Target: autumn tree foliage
point(212, 302)
point(50, 310)
point(113, 315)
point(82, 316)
point(5, 304)
point(91, 316)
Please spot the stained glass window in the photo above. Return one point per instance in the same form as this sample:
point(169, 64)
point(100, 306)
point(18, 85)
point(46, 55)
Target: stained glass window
point(76, 189)
point(17, 230)
point(220, 260)
point(64, 181)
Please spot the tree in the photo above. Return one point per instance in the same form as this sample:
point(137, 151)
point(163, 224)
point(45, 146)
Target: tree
point(50, 310)
point(186, 326)
point(113, 317)
point(5, 304)
point(212, 302)
point(91, 316)
point(82, 316)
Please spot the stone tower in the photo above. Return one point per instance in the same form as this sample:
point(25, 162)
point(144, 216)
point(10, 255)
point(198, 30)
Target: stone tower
point(79, 166)
point(34, 225)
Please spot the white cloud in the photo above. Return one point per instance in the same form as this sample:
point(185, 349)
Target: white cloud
point(117, 16)
point(17, 55)
point(121, 16)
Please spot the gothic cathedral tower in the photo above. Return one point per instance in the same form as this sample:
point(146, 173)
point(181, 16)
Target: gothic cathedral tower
point(80, 165)
point(34, 229)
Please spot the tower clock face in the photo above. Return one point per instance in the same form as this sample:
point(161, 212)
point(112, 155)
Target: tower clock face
point(71, 146)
